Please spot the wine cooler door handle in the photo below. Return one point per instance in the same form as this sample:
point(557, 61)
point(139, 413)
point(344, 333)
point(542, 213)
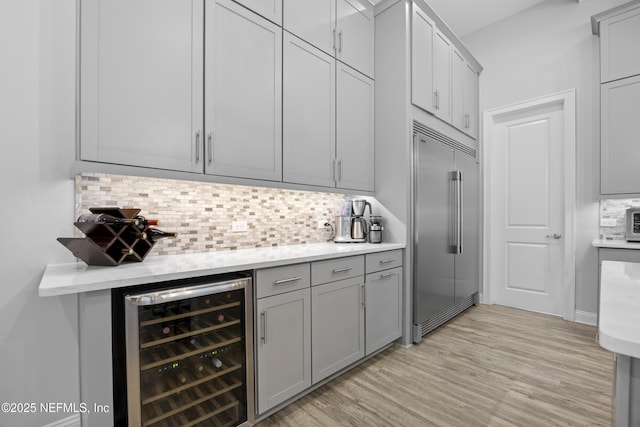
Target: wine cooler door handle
point(263, 327)
point(170, 295)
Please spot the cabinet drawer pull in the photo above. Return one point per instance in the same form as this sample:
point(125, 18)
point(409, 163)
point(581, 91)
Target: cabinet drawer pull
point(210, 147)
point(340, 270)
point(384, 261)
point(383, 275)
point(282, 281)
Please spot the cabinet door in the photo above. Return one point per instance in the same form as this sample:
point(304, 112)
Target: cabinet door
point(442, 76)
point(283, 347)
point(383, 308)
point(141, 83)
point(243, 100)
point(270, 9)
point(619, 53)
point(620, 149)
point(312, 21)
point(354, 34)
point(470, 101)
point(422, 60)
point(458, 112)
point(354, 138)
point(337, 315)
point(308, 114)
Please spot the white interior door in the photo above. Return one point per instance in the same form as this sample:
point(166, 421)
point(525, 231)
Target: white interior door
point(527, 241)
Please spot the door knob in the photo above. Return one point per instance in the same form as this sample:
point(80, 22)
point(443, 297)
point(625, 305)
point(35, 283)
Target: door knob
point(554, 235)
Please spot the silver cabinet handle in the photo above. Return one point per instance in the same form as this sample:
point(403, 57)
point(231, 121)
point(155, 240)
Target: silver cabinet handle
point(461, 214)
point(339, 170)
point(210, 147)
point(334, 39)
point(385, 261)
point(197, 147)
point(363, 303)
point(335, 163)
point(554, 235)
point(282, 281)
point(340, 270)
point(435, 99)
point(263, 331)
point(340, 41)
point(383, 275)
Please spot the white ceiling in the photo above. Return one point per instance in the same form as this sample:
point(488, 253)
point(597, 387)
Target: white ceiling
point(466, 16)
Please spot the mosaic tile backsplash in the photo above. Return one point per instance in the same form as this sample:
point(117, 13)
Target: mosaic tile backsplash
point(202, 213)
point(616, 209)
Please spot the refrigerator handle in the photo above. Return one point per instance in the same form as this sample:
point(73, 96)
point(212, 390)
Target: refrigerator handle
point(460, 211)
point(457, 212)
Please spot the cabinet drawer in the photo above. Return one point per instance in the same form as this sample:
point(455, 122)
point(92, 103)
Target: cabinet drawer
point(277, 280)
point(383, 260)
point(336, 269)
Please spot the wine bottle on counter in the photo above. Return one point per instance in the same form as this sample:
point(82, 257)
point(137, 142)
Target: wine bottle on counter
point(106, 219)
point(144, 222)
point(154, 234)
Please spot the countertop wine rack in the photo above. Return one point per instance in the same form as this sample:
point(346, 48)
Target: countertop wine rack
point(107, 244)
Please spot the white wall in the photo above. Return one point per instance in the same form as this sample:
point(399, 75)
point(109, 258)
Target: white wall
point(542, 50)
point(38, 336)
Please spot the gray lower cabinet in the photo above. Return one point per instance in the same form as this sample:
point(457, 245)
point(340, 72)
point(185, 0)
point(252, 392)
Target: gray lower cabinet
point(283, 336)
point(337, 315)
point(383, 314)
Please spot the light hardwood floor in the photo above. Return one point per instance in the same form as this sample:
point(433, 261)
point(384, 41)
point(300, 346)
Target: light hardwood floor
point(490, 366)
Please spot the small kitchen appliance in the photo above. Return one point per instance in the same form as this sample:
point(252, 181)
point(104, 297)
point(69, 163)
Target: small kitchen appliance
point(633, 225)
point(351, 227)
point(375, 229)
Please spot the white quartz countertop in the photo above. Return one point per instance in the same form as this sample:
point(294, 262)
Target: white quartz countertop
point(615, 244)
point(77, 277)
point(619, 321)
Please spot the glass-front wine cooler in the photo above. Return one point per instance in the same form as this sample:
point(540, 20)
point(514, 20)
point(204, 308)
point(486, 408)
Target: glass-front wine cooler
point(189, 355)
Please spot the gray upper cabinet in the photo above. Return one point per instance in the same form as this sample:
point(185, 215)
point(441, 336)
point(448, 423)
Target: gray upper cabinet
point(619, 149)
point(354, 34)
point(422, 29)
point(311, 20)
point(308, 141)
point(354, 138)
point(243, 94)
point(619, 53)
point(442, 76)
point(141, 88)
point(464, 88)
point(340, 28)
point(327, 120)
point(270, 9)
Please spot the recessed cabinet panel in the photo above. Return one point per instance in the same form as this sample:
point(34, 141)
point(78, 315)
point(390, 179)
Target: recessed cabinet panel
point(458, 113)
point(141, 83)
point(442, 76)
point(422, 29)
point(337, 315)
point(620, 149)
point(470, 118)
point(383, 314)
point(270, 9)
point(311, 20)
point(354, 37)
point(355, 114)
point(283, 347)
point(619, 53)
point(309, 114)
point(243, 101)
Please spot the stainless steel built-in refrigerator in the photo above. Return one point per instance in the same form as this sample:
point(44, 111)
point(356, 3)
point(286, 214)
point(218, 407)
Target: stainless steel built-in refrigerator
point(446, 231)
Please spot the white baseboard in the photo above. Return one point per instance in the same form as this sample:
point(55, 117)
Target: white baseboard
point(586, 317)
point(71, 421)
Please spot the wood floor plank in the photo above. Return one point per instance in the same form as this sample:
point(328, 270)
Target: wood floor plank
point(491, 366)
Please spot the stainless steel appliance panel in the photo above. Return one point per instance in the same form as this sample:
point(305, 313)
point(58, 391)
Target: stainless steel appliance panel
point(467, 261)
point(433, 284)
